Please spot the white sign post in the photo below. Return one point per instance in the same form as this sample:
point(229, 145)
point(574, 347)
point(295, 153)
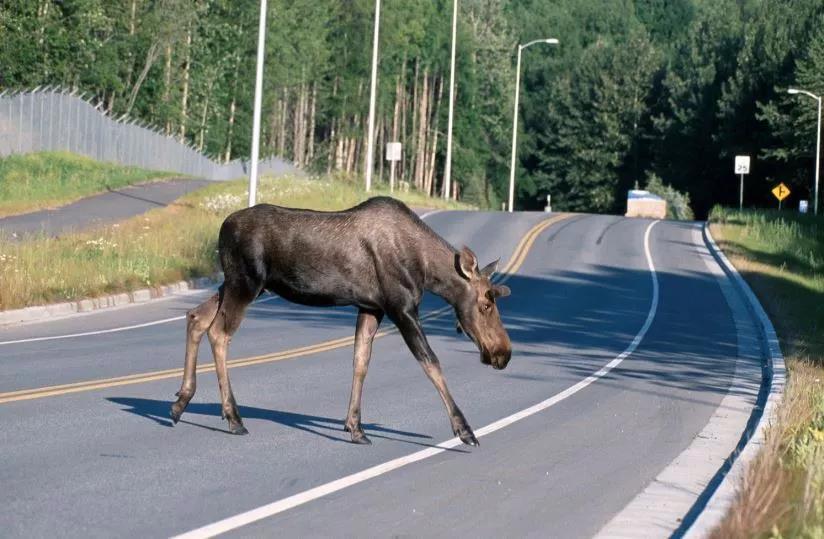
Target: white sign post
point(393, 154)
point(742, 166)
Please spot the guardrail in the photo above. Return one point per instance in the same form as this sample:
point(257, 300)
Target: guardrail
point(53, 119)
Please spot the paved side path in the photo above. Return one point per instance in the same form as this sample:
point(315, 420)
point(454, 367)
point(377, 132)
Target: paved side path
point(114, 205)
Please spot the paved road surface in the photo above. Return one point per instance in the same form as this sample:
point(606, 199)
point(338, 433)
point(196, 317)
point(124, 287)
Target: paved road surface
point(114, 205)
point(107, 462)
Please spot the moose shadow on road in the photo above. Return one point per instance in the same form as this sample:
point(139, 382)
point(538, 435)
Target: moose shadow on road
point(158, 411)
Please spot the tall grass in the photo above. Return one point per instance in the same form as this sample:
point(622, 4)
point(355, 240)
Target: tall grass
point(159, 247)
point(42, 180)
point(780, 254)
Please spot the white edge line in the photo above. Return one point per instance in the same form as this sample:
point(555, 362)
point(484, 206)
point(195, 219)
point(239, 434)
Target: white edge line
point(271, 509)
point(111, 330)
point(721, 500)
point(430, 214)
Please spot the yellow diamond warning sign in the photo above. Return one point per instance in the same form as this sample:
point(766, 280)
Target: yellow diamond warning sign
point(781, 191)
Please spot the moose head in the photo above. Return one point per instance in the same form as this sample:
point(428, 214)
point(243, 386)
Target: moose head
point(477, 310)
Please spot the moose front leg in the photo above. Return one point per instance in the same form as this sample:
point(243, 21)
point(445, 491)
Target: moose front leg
point(367, 327)
point(412, 332)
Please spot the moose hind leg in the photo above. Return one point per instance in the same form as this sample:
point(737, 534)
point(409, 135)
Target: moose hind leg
point(197, 322)
point(367, 327)
point(228, 318)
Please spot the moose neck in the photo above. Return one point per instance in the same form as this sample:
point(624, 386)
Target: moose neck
point(442, 277)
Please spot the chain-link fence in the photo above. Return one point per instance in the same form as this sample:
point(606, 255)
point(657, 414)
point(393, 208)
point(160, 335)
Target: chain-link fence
point(57, 120)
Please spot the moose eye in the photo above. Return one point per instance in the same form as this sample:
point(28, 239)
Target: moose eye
point(485, 307)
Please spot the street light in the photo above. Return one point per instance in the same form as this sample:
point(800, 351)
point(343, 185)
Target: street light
point(550, 41)
point(447, 177)
point(258, 96)
point(795, 91)
point(370, 136)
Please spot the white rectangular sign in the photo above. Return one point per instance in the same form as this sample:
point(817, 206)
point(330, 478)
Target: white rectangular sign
point(393, 151)
point(742, 164)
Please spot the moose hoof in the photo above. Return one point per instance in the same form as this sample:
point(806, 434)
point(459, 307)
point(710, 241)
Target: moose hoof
point(176, 411)
point(468, 437)
point(361, 439)
point(238, 429)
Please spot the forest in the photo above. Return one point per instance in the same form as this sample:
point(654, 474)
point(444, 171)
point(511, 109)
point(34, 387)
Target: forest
point(667, 91)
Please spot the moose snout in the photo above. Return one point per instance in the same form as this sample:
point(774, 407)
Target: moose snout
point(498, 358)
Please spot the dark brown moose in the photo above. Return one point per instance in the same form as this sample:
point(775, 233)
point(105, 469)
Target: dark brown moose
point(378, 256)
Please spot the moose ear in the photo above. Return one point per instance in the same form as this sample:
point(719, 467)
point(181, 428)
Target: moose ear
point(501, 291)
point(467, 263)
point(490, 268)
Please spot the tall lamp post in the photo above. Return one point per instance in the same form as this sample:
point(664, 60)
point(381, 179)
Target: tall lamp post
point(795, 91)
point(253, 172)
point(447, 177)
point(550, 41)
point(370, 137)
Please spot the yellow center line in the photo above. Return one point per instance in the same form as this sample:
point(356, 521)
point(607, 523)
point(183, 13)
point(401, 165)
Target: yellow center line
point(515, 262)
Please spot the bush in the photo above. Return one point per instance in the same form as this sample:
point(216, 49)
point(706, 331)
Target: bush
point(678, 204)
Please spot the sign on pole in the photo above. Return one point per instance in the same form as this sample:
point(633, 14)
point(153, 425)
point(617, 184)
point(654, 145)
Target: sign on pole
point(781, 191)
point(742, 166)
point(393, 155)
point(393, 151)
point(803, 206)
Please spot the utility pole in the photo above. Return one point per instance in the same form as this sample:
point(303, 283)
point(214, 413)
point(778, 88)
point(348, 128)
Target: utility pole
point(447, 177)
point(258, 97)
point(370, 137)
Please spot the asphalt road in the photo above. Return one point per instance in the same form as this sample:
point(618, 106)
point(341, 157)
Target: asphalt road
point(111, 206)
point(106, 461)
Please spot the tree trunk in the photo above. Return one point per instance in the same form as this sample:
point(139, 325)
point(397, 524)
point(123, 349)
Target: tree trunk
point(184, 102)
point(414, 142)
point(229, 133)
point(400, 171)
point(380, 143)
point(423, 109)
point(151, 57)
point(167, 83)
point(434, 149)
point(310, 153)
point(204, 116)
point(130, 54)
point(283, 118)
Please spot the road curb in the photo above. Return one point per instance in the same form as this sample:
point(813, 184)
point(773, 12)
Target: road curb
point(691, 495)
point(60, 310)
point(722, 499)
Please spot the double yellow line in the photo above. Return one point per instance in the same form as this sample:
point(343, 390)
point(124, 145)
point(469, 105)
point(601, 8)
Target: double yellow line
point(514, 264)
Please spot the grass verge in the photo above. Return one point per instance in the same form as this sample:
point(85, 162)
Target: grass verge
point(781, 255)
point(43, 180)
point(162, 246)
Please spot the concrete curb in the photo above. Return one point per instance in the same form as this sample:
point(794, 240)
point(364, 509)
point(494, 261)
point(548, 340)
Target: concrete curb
point(722, 499)
point(677, 497)
point(60, 310)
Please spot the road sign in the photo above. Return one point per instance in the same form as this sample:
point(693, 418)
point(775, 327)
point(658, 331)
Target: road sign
point(781, 191)
point(393, 151)
point(803, 206)
point(742, 164)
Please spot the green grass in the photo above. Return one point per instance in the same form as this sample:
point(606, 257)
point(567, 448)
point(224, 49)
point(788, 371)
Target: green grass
point(44, 180)
point(781, 255)
point(159, 247)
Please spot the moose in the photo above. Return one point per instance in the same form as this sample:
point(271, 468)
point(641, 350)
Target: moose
point(378, 256)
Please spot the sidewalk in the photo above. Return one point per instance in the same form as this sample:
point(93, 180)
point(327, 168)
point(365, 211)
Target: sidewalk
point(114, 205)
